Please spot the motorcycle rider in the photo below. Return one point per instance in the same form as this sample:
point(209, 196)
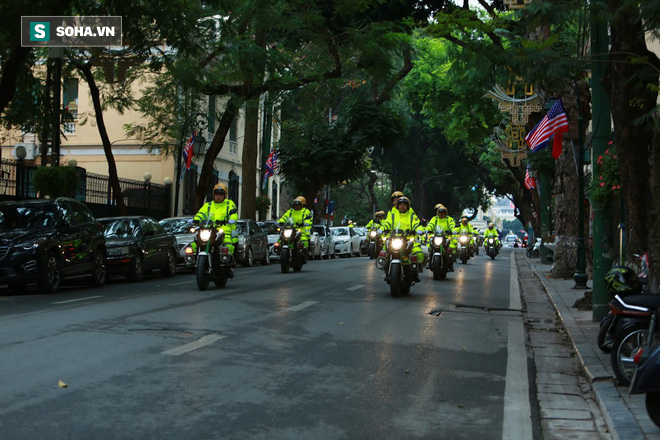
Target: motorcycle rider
point(301, 217)
point(405, 218)
point(464, 227)
point(443, 221)
point(375, 222)
point(491, 232)
point(224, 210)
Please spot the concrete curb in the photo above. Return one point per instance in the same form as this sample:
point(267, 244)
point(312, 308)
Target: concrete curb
point(620, 420)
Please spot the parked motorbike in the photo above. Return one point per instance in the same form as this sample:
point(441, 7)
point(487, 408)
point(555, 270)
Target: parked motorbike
point(627, 284)
point(291, 250)
point(491, 248)
point(463, 249)
point(534, 251)
point(214, 261)
point(647, 379)
point(399, 266)
point(439, 254)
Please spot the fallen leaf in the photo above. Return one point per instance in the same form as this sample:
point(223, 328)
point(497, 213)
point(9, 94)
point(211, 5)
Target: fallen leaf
point(341, 322)
point(61, 384)
point(460, 406)
point(407, 371)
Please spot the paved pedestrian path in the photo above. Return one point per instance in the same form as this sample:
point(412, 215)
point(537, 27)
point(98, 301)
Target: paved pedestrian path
point(624, 416)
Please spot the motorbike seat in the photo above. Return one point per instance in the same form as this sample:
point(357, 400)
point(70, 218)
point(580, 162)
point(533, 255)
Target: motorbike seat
point(648, 301)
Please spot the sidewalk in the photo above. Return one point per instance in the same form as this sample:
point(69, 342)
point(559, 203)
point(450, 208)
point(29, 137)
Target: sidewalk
point(624, 414)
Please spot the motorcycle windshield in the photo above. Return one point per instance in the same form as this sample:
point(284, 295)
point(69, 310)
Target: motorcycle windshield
point(398, 231)
point(208, 221)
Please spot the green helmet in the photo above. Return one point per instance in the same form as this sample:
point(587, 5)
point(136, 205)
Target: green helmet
point(621, 280)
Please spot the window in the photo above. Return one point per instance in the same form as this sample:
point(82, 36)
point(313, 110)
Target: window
point(233, 144)
point(70, 105)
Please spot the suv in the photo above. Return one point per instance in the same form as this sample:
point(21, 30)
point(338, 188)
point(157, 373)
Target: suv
point(45, 241)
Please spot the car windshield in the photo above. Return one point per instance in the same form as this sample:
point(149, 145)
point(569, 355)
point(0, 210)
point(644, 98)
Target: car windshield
point(27, 217)
point(270, 228)
point(511, 239)
point(177, 225)
point(240, 227)
point(340, 231)
point(122, 228)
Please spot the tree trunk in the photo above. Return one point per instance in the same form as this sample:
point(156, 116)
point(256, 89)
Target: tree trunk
point(248, 195)
point(107, 146)
point(373, 178)
point(566, 195)
point(205, 177)
point(631, 98)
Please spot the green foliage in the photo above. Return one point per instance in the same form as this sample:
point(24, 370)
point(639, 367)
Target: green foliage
point(605, 185)
point(262, 203)
point(55, 181)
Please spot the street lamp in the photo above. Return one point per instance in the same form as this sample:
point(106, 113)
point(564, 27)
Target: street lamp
point(198, 123)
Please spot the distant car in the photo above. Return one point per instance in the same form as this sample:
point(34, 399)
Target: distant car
point(137, 245)
point(180, 227)
point(252, 243)
point(364, 243)
point(347, 241)
point(47, 241)
point(511, 241)
point(326, 243)
point(272, 230)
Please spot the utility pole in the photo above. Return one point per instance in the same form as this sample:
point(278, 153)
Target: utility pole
point(601, 123)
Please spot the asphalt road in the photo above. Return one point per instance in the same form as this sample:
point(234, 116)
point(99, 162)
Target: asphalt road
point(326, 353)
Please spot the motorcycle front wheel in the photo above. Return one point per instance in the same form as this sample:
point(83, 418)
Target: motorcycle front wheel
point(439, 272)
point(202, 272)
point(285, 260)
point(396, 280)
point(623, 350)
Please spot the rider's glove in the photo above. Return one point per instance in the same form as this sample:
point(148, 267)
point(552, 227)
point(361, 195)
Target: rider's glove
point(231, 221)
point(380, 231)
point(234, 234)
point(420, 232)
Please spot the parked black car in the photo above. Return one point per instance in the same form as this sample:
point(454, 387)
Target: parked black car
point(252, 243)
point(46, 241)
point(137, 245)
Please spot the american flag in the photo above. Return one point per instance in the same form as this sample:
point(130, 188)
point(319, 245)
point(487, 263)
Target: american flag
point(554, 123)
point(530, 182)
point(188, 151)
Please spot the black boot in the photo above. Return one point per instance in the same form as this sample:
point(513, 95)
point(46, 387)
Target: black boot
point(231, 273)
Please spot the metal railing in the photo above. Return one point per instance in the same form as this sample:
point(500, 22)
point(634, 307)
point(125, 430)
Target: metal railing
point(140, 197)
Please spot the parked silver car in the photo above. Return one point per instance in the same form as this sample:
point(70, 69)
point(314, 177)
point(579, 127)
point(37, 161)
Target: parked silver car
point(347, 241)
point(180, 227)
point(326, 243)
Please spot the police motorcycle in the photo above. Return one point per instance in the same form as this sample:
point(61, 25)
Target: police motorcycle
point(400, 267)
point(375, 243)
point(214, 261)
point(491, 247)
point(439, 253)
point(464, 247)
point(291, 250)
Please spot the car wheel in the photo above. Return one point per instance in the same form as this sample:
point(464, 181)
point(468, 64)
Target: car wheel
point(170, 269)
point(266, 260)
point(53, 274)
point(100, 273)
point(249, 258)
point(137, 269)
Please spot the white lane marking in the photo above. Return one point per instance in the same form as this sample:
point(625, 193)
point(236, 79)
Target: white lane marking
point(515, 302)
point(517, 421)
point(302, 306)
point(202, 342)
point(76, 300)
point(182, 282)
point(356, 287)
point(245, 272)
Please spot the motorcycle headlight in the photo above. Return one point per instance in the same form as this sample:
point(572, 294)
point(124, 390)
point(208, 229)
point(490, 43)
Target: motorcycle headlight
point(463, 238)
point(373, 234)
point(205, 235)
point(397, 243)
point(437, 241)
point(288, 233)
point(490, 240)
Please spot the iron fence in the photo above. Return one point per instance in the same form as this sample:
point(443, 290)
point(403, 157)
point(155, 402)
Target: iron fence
point(140, 197)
